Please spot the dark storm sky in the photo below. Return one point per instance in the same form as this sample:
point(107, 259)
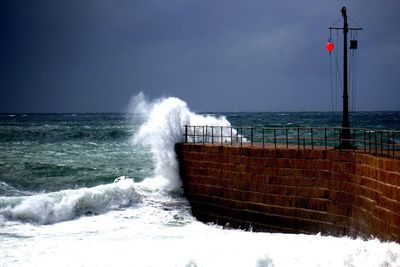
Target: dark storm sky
point(217, 55)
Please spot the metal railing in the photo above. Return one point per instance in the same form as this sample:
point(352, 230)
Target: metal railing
point(377, 142)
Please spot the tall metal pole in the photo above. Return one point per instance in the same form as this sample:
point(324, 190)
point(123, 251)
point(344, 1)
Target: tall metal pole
point(345, 133)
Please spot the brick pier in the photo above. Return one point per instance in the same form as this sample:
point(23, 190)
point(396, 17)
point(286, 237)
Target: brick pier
point(340, 193)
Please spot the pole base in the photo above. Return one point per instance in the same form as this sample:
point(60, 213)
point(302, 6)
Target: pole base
point(344, 144)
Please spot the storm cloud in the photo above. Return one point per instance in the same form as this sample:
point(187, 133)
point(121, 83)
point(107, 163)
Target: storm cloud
point(93, 56)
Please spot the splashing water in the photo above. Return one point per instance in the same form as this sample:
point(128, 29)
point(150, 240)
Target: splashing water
point(163, 129)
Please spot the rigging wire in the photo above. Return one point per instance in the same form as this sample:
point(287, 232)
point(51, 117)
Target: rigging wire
point(354, 21)
point(338, 80)
point(331, 80)
point(353, 76)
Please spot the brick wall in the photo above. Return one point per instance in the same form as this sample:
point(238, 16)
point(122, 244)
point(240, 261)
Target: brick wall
point(295, 191)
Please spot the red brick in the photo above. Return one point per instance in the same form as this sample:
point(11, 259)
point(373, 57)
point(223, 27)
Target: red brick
point(372, 161)
point(345, 156)
point(312, 154)
point(256, 152)
point(393, 178)
point(361, 158)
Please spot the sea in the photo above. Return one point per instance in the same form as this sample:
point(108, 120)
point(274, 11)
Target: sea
point(104, 190)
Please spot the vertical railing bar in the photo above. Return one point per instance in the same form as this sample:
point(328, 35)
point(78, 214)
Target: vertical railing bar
point(312, 139)
point(251, 135)
point(194, 134)
point(393, 144)
point(237, 135)
point(388, 143)
point(263, 139)
point(381, 143)
point(298, 138)
point(212, 134)
point(203, 135)
point(287, 139)
point(365, 145)
point(369, 141)
point(207, 135)
point(241, 136)
point(376, 143)
point(221, 137)
point(326, 141)
point(275, 138)
point(186, 132)
point(231, 136)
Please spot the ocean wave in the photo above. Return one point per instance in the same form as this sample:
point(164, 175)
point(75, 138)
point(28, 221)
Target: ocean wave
point(163, 129)
point(68, 204)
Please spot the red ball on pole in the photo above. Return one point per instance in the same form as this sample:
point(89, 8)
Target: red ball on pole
point(329, 46)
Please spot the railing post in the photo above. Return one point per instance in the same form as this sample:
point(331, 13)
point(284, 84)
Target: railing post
point(365, 145)
point(251, 136)
point(241, 136)
point(203, 135)
point(212, 134)
point(393, 144)
point(222, 143)
point(194, 134)
point(287, 139)
point(326, 141)
point(231, 136)
point(275, 138)
point(263, 139)
point(376, 144)
point(207, 139)
point(369, 141)
point(388, 143)
point(312, 139)
point(298, 138)
point(186, 133)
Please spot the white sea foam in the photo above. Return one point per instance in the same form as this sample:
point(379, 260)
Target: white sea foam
point(164, 128)
point(67, 204)
point(128, 238)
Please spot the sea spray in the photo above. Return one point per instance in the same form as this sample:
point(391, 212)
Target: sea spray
point(164, 126)
point(67, 204)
